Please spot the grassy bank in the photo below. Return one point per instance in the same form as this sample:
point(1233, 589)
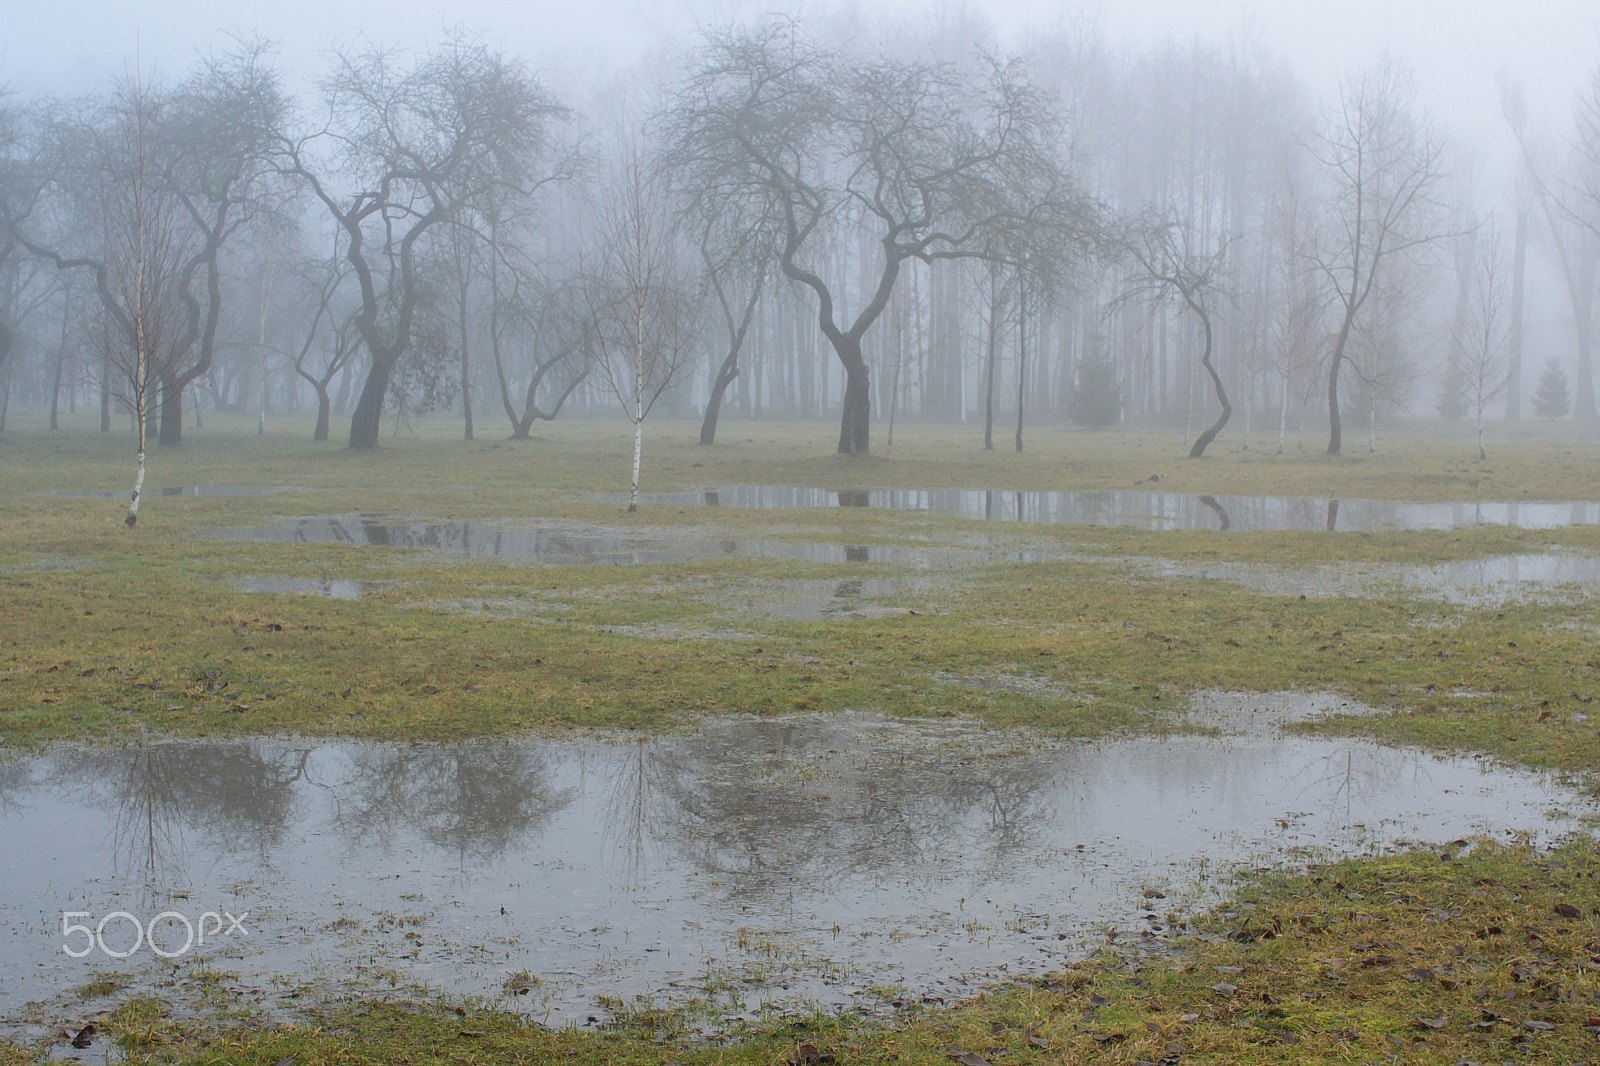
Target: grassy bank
point(1488, 955)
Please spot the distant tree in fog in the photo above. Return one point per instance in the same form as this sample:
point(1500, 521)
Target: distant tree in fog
point(1553, 399)
point(1167, 262)
point(1382, 167)
point(1480, 341)
point(935, 162)
point(1571, 217)
point(417, 147)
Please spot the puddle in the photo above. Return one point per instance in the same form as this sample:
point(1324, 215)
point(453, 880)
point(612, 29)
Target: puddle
point(569, 544)
point(1153, 510)
point(178, 490)
point(300, 586)
point(799, 860)
point(1497, 580)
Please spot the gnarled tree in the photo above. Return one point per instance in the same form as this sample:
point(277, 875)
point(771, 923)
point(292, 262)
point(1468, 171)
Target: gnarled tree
point(939, 162)
point(405, 150)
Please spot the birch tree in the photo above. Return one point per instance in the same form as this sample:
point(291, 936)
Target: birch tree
point(642, 307)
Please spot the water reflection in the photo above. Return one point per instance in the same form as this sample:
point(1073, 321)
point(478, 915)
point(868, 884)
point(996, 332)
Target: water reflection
point(549, 544)
point(1497, 579)
point(1155, 510)
point(476, 800)
point(626, 866)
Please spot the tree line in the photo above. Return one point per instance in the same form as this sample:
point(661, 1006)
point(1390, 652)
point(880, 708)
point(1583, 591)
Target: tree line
point(792, 220)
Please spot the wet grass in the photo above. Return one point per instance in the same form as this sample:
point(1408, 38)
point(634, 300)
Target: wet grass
point(1482, 955)
point(111, 634)
point(108, 634)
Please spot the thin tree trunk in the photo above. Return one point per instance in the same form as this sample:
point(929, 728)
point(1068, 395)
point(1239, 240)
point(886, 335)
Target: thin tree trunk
point(1519, 262)
point(988, 386)
point(1216, 379)
point(1022, 359)
point(105, 393)
point(1283, 414)
point(466, 366)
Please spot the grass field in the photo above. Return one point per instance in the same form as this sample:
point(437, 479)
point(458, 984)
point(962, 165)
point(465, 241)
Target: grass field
point(109, 634)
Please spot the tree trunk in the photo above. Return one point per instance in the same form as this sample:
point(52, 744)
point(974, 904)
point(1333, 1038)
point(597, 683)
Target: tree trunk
point(1022, 359)
point(324, 410)
point(725, 375)
point(1209, 435)
point(857, 408)
point(466, 368)
point(1335, 430)
point(1283, 413)
point(105, 395)
point(171, 435)
point(988, 386)
point(365, 422)
point(1519, 262)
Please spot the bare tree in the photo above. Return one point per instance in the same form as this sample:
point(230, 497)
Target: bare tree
point(1571, 219)
point(1480, 341)
point(1383, 167)
point(640, 299)
point(419, 146)
point(545, 322)
point(937, 162)
point(1168, 264)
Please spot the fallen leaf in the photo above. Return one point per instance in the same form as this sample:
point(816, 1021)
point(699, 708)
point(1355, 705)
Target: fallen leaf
point(1187, 1018)
point(1434, 1023)
point(1224, 988)
point(970, 1059)
point(1035, 1039)
point(1537, 1026)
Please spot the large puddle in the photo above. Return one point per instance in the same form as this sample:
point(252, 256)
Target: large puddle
point(1154, 510)
point(574, 543)
point(806, 860)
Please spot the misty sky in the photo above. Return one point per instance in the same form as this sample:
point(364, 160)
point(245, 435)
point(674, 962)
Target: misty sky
point(1457, 47)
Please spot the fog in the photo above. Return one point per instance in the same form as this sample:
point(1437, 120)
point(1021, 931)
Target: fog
point(1183, 253)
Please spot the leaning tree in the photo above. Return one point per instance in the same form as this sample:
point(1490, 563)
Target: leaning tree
point(1168, 264)
point(940, 162)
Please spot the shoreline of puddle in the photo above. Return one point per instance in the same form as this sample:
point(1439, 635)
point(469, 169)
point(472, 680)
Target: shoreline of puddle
point(785, 863)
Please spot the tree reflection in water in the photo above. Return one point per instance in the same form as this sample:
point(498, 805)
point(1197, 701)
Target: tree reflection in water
point(476, 799)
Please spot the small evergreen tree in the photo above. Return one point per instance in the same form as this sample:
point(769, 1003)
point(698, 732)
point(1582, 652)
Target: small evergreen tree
point(1553, 399)
point(1097, 401)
